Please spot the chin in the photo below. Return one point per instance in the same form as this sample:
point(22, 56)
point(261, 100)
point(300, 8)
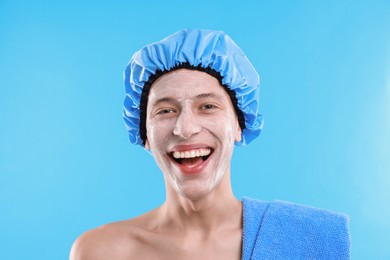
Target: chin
point(193, 190)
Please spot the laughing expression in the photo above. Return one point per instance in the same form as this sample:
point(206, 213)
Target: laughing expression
point(191, 129)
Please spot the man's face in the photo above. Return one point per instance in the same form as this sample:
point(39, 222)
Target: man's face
point(191, 128)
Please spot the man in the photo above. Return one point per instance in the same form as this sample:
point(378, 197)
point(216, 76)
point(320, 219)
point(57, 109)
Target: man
point(190, 98)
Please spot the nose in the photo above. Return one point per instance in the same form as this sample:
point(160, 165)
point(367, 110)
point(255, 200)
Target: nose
point(186, 125)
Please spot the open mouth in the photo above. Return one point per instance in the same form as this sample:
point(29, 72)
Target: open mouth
point(191, 158)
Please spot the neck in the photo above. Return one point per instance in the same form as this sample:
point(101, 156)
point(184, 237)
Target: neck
point(215, 211)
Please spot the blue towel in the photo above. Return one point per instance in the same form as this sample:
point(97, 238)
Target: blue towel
point(282, 230)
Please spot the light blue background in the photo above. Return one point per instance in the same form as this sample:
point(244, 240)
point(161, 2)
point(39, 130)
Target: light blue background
point(66, 165)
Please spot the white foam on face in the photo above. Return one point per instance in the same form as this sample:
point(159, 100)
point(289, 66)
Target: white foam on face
point(187, 119)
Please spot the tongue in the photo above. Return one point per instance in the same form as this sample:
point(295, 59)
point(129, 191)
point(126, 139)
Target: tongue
point(191, 162)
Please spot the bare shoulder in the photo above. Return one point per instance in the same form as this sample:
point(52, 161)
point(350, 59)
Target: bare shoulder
point(118, 240)
point(102, 242)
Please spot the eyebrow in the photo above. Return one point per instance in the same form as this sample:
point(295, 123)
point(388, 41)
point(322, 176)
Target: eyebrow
point(200, 96)
point(208, 95)
point(164, 99)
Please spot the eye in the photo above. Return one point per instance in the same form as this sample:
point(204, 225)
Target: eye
point(164, 111)
point(208, 107)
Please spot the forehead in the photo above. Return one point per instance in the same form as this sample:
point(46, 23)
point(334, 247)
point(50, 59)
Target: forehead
point(184, 83)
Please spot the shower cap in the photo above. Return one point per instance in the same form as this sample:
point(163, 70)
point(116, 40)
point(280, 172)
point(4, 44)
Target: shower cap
point(205, 50)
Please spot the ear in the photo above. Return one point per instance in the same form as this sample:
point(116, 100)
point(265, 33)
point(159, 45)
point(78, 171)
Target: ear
point(237, 135)
point(147, 145)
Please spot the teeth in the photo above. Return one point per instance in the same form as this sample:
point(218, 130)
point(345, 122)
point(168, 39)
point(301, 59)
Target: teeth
point(192, 153)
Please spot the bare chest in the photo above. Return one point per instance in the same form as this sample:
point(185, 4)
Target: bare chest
point(223, 246)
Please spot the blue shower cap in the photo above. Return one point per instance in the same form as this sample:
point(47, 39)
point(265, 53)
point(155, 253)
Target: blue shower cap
point(201, 49)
